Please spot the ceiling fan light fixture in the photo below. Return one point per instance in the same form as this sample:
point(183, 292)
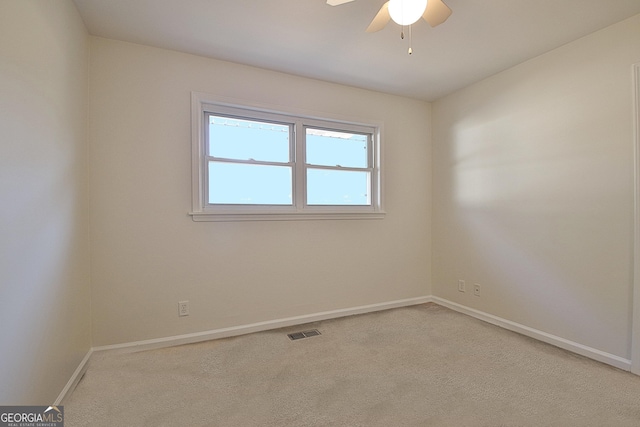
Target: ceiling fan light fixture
point(406, 12)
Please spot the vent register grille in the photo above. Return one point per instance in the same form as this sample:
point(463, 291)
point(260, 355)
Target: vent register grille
point(305, 334)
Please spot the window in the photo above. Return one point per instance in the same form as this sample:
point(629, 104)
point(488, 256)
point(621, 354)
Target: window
point(248, 161)
point(257, 164)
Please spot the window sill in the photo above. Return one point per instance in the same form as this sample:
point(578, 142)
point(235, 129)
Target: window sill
point(279, 216)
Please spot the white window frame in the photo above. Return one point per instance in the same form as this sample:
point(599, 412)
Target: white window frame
point(202, 211)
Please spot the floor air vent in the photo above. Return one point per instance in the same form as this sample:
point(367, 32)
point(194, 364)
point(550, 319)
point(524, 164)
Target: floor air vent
point(305, 334)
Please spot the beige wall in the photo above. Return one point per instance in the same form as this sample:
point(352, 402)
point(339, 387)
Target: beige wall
point(147, 253)
point(533, 191)
point(44, 260)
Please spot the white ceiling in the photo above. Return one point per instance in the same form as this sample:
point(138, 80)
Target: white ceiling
point(312, 39)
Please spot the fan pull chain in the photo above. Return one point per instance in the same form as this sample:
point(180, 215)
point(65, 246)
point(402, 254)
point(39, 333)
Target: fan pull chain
point(402, 37)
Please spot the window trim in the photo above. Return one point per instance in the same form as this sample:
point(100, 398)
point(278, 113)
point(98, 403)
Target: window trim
point(202, 103)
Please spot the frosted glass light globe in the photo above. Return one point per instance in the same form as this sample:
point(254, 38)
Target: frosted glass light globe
point(406, 12)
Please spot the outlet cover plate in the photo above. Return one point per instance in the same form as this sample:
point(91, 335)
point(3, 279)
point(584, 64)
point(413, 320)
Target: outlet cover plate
point(183, 308)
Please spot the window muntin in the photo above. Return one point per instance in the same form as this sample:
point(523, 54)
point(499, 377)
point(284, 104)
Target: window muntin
point(307, 168)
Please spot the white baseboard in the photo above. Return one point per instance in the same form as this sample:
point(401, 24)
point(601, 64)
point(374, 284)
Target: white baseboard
point(574, 347)
point(257, 327)
point(75, 379)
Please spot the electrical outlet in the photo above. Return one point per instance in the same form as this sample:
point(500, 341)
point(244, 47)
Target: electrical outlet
point(183, 308)
point(461, 286)
point(476, 290)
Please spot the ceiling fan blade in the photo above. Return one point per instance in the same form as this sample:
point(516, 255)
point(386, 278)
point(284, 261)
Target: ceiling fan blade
point(436, 12)
point(381, 19)
point(337, 2)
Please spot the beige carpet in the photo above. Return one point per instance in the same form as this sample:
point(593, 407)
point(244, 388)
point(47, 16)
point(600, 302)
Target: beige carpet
point(417, 366)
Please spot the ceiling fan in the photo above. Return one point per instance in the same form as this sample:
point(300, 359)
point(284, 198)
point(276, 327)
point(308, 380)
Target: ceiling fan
point(405, 13)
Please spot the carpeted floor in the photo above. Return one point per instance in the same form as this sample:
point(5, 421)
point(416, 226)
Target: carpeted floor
point(418, 366)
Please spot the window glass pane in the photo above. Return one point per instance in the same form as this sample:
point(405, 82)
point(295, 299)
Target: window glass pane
point(238, 139)
point(331, 148)
point(336, 187)
point(234, 183)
